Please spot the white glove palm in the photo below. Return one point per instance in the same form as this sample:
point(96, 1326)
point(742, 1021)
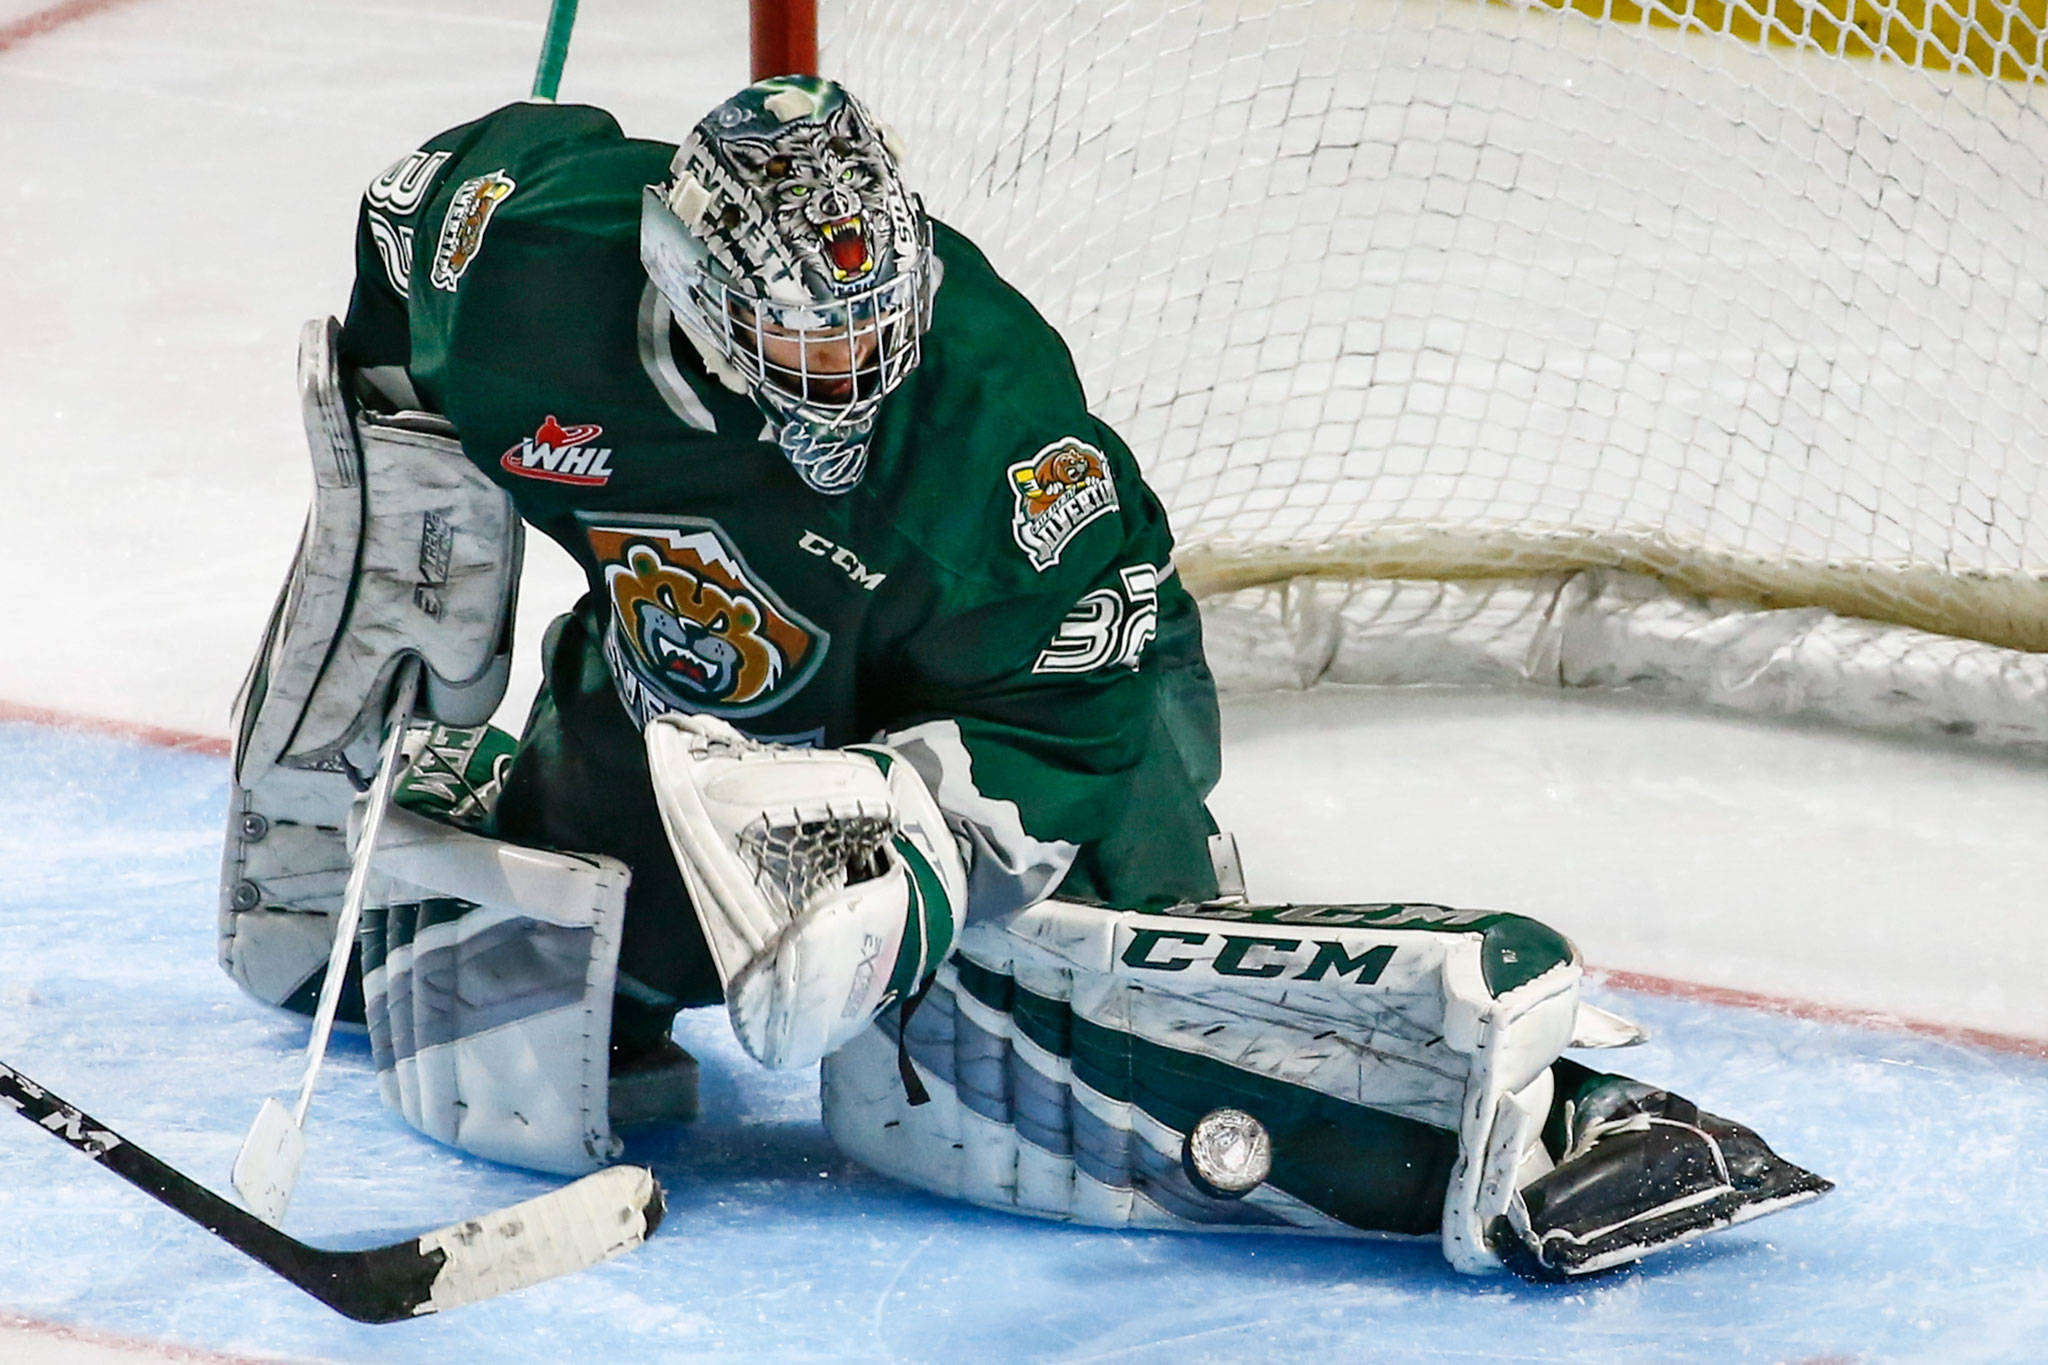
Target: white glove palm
point(825, 880)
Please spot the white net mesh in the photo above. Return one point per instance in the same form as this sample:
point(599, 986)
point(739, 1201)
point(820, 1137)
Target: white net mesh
point(1447, 289)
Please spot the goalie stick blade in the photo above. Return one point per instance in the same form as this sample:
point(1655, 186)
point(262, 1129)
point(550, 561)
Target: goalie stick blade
point(596, 1218)
point(591, 1220)
point(267, 1168)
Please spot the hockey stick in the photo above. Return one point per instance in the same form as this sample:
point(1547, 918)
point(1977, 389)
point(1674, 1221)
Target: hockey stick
point(594, 1219)
point(267, 1168)
point(554, 49)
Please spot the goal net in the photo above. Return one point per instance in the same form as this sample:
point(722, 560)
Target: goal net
point(1692, 345)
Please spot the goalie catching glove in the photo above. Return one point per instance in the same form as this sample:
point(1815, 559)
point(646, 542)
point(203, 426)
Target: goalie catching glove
point(826, 881)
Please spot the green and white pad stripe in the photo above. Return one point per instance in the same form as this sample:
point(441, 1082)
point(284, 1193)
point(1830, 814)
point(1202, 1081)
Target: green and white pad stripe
point(1393, 1054)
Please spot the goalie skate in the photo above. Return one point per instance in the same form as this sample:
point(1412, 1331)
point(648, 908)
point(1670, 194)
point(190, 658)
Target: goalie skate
point(1645, 1170)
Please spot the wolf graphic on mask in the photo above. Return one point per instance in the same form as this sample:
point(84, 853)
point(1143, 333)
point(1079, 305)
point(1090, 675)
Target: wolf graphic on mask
point(824, 179)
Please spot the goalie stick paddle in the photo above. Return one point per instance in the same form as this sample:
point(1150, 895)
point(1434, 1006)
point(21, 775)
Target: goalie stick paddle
point(592, 1220)
point(266, 1170)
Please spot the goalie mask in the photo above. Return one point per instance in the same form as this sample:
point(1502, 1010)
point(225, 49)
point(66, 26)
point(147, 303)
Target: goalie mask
point(797, 264)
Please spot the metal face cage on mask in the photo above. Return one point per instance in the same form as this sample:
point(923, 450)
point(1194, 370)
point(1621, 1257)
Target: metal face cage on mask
point(797, 264)
point(827, 361)
point(818, 368)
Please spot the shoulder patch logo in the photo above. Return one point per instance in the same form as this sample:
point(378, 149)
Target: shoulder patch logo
point(562, 454)
point(693, 628)
point(462, 229)
point(1058, 491)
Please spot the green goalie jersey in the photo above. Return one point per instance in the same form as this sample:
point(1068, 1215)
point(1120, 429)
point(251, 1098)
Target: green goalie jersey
point(997, 596)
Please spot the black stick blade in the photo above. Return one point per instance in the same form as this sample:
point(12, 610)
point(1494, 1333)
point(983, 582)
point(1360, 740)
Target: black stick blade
point(594, 1219)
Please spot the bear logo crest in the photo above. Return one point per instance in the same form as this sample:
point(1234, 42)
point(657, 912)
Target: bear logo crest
point(692, 628)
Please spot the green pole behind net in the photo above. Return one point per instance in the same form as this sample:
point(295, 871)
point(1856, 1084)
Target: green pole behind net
point(554, 49)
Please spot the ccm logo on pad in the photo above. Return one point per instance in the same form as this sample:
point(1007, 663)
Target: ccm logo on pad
point(1253, 955)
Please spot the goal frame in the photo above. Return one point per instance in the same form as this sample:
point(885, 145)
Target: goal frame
point(1906, 647)
point(782, 38)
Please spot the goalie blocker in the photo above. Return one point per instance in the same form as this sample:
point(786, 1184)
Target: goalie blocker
point(490, 967)
point(408, 552)
point(1351, 1070)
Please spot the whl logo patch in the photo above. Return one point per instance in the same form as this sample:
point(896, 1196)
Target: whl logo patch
point(562, 454)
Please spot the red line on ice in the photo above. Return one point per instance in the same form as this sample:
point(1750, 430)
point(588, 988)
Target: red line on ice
point(159, 735)
point(56, 16)
point(108, 1344)
point(1627, 981)
point(1825, 1014)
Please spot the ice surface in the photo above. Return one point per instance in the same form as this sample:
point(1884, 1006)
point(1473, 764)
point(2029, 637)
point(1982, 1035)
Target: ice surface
point(1810, 862)
point(776, 1246)
point(177, 186)
point(178, 190)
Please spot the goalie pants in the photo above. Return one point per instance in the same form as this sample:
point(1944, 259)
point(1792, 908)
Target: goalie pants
point(579, 782)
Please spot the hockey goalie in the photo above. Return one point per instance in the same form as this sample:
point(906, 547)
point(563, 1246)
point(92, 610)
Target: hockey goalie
point(884, 722)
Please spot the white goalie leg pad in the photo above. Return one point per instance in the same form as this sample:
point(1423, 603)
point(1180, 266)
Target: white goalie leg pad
point(826, 881)
point(408, 551)
point(1085, 1063)
point(488, 977)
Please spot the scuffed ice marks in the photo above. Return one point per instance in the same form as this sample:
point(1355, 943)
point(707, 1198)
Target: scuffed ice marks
point(774, 1245)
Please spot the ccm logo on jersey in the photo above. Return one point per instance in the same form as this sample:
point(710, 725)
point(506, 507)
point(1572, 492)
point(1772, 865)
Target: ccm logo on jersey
point(561, 454)
point(1253, 955)
point(843, 559)
point(1058, 491)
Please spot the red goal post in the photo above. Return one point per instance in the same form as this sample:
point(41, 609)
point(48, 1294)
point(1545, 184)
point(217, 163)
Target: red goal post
point(782, 38)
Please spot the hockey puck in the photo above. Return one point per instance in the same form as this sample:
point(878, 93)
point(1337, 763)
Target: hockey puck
point(1228, 1153)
